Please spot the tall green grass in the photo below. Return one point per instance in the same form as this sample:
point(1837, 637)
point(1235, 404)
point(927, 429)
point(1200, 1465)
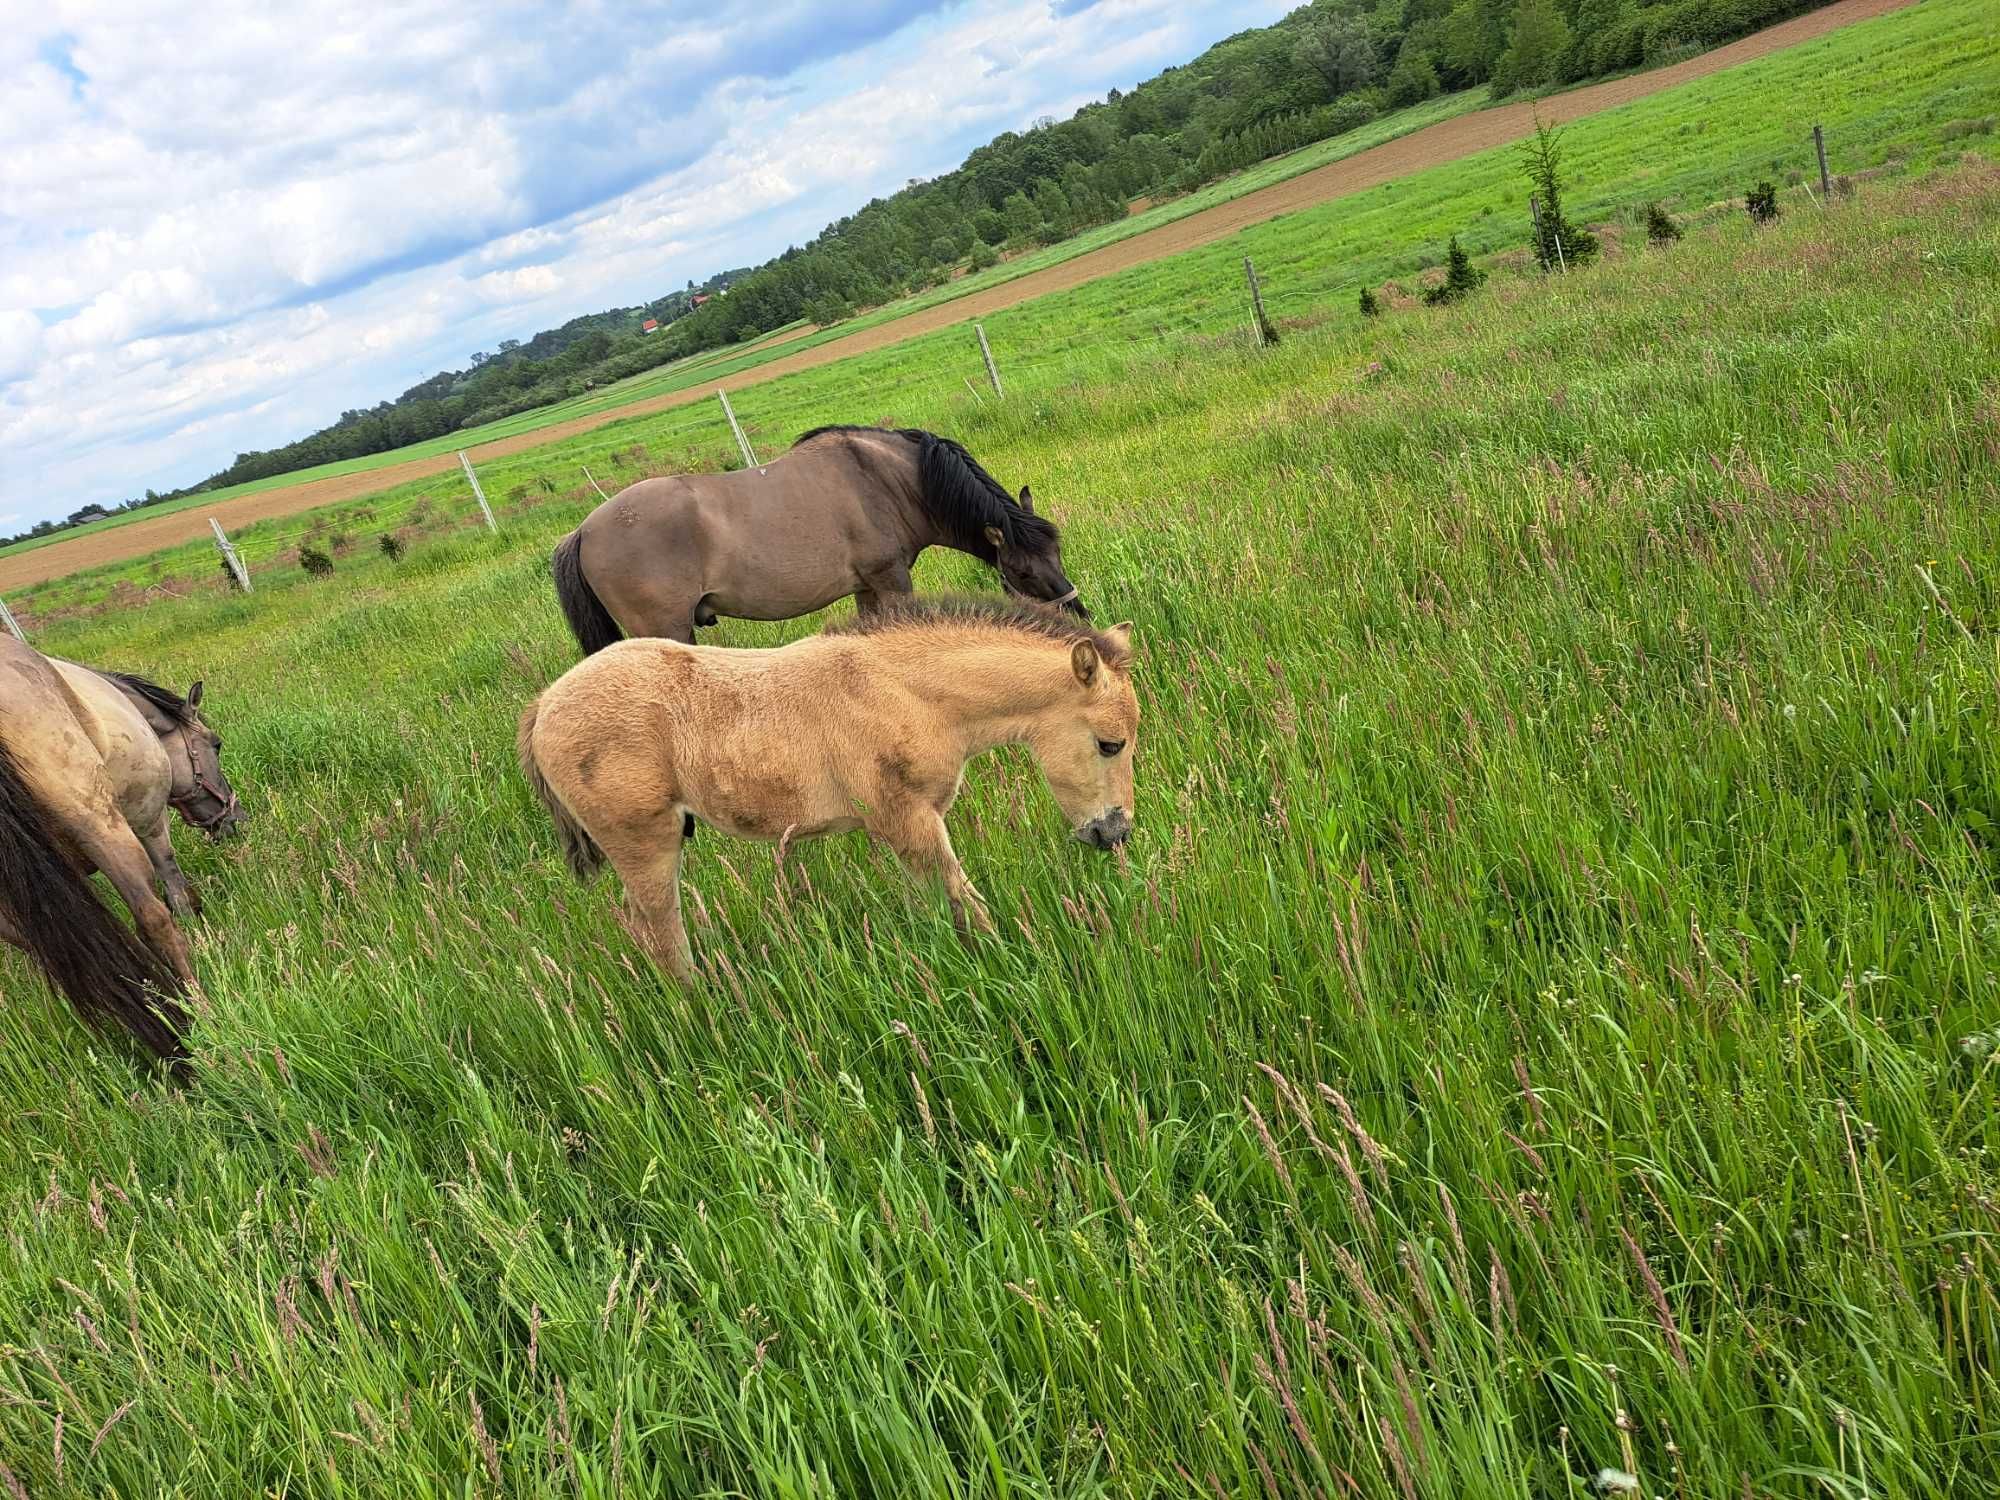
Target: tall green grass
point(1546, 1021)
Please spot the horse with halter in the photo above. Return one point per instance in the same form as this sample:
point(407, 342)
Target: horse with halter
point(845, 512)
point(90, 764)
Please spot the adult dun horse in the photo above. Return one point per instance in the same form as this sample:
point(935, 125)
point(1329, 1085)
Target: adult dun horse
point(867, 726)
point(90, 763)
point(845, 511)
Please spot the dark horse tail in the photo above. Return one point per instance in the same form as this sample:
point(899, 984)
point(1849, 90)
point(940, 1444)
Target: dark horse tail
point(589, 621)
point(91, 956)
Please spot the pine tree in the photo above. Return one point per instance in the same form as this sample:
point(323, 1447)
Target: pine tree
point(1371, 305)
point(1460, 277)
point(1660, 226)
point(1558, 243)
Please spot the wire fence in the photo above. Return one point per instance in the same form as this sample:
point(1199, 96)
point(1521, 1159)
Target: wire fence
point(1155, 312)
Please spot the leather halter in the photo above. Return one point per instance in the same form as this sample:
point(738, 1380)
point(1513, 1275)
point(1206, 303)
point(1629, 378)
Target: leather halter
point(223, 795)
point(1055, 603)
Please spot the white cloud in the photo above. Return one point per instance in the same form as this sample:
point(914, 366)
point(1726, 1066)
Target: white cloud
point(221, 225)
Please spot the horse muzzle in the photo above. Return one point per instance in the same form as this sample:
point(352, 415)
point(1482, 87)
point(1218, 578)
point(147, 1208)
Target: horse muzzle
point(1107, 830)
point(220, 820)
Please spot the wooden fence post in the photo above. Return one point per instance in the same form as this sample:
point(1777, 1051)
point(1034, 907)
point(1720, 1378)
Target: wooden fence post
point(478, 493)
point(1819, 146)
point(992, 370)
point(742, 442)
point(1266, 334)
point(13, 625)
point(228, 550)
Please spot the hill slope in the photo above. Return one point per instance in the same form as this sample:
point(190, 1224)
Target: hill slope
point(1449, 140)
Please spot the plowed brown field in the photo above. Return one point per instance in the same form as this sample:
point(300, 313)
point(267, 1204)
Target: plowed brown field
point(1448, 140)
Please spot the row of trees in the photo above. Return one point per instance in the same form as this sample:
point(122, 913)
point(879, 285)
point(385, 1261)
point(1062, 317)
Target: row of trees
point(1326, 68)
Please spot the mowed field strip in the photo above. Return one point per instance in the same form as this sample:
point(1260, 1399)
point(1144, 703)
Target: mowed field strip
point(1448, 140)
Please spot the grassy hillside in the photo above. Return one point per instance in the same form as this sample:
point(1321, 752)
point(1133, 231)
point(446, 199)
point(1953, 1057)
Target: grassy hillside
point(1889, 92)
point(755, 351)
point(1546, 1023)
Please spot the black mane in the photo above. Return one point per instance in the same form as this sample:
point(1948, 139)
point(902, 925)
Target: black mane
point(960, 495)
point(166, 700)
point(913, 611)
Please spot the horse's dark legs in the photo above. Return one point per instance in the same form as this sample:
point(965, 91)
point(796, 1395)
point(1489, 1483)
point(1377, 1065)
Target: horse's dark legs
point(882, 588)
point(159, 846)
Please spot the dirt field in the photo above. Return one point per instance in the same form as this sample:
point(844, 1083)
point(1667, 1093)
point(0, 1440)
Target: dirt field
point(1466, 135)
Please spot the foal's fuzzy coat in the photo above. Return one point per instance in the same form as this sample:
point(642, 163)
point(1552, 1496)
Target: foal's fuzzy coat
point(867, 726)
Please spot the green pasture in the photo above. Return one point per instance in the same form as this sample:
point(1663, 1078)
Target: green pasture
point(1546, 1022)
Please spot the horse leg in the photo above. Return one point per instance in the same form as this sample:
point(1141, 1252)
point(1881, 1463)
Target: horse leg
point(115, 849)
point(923, 845)
point(881, 588)
point(9, 935)
point(647, 857)
point(159, 845)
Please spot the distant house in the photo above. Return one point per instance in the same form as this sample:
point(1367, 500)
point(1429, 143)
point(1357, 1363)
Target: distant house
point(700, 298)
point(651, 325)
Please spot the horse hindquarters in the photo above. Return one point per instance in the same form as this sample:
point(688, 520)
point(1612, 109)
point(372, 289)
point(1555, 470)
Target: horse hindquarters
point(589, 621)
point(612, 799)
point(94, 959)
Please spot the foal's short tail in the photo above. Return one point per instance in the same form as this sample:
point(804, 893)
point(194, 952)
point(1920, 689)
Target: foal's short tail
point(589, 621)
point(579, 849)
point(87, 953)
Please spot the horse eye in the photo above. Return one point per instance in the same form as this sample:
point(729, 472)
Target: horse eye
point(1109, 747)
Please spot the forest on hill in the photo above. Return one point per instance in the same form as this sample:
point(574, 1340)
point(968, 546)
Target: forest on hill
point(1324, 69)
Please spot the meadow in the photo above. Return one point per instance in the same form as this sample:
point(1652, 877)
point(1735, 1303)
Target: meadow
point(1889, 92)
point(1546, 1022)
point(695, 369)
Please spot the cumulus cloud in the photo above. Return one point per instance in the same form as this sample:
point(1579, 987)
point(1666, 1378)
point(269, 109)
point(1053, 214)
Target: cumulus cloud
point(222, 225)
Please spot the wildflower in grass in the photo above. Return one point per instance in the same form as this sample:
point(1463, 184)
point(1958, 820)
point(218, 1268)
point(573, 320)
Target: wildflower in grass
point(1616, 1482)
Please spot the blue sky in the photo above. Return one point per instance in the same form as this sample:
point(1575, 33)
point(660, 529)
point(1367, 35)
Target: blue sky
point(222, 225)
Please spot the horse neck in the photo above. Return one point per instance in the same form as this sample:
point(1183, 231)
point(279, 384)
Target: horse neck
point(903, 492)
point(988, 686)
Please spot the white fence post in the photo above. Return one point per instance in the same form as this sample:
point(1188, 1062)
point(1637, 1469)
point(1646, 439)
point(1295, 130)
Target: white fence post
point(992, 370)
point(13, 625)
point(478, 493)
point(228, 550)
point(742, 442)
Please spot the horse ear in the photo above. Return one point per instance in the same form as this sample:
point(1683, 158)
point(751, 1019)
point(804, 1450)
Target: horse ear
point(994, 538)
point(194, 696)
point(1120, 634)
point(1083, 661)
point(1027, 500)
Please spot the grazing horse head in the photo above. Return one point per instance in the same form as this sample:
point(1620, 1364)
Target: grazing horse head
point(1030, 561)
point(1085, 740)
point(201, 794)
